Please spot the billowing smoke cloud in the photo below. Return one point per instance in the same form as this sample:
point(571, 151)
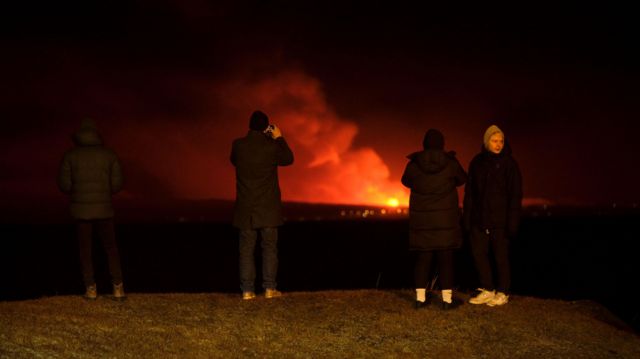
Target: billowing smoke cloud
point(328, 168)
point(189, 158)
point(174, 139)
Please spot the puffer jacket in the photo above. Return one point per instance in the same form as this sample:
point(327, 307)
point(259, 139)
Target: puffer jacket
point(90, 174)
point(434, 213)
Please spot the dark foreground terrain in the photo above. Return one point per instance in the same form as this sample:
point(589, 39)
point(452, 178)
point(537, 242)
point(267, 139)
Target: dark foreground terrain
point(554, 257)
point(325, 324)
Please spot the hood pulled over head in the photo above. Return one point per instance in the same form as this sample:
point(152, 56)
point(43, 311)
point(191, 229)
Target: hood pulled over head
point(433, 140)
point(87, 135)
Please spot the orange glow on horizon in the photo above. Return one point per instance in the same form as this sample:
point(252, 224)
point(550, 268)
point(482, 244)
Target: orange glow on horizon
point(393, 202)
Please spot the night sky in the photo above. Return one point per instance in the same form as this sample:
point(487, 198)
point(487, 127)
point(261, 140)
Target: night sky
point(354, 88)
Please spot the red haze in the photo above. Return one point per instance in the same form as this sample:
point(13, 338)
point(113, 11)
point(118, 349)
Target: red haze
point(328, 168)
point(187, 156)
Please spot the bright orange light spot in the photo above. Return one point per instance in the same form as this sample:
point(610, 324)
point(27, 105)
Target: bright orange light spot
point(393, 202)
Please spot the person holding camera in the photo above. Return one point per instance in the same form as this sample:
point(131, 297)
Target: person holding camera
point(492, 206)
point(258, 206)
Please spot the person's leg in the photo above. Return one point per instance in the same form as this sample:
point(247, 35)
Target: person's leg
point(106, 231)
point(84, 236)
point(445, 268)
point(500, 247)
point(422, 268)
point(107, 234)
point(480, 251)
point(247, 246)
point(269, 257)
point(421, 273)
point(446, 277)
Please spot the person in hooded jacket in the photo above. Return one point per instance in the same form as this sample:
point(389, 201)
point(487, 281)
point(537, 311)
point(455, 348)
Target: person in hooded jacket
point(258, 207)
point(434, 215)
point(91, 174)
point(492, 206)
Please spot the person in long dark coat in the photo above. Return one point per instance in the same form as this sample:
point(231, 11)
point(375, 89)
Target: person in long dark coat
point(434, 214)
point(492, 206)
point(91, 174)
point(258, 207)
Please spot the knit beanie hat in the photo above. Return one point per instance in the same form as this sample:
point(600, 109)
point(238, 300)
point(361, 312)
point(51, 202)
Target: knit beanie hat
point(492, 130)
point(258, 121)
point(433, 140)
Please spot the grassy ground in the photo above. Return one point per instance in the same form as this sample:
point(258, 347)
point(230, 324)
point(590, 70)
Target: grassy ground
point(330, 324)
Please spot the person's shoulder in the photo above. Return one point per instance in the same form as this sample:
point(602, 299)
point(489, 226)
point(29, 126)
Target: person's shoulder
point(452, 156)
point(478, 158)
point(110, 152)
point(511, 161)
point(454, 163)
point(239, 140)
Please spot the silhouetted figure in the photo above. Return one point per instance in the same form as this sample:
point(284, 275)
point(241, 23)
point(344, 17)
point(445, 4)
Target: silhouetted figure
point(434, 215)
point(492, 205)
point(91, 174)
point(258, 207)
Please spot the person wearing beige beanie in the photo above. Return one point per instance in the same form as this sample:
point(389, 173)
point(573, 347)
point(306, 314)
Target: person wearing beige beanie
point(494, 139)
point(492, 204)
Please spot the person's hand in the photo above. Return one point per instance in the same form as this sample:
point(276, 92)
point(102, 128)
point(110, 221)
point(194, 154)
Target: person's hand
point(275, 133)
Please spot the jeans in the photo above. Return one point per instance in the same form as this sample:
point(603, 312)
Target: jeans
point(424, 260)
point(105, 230)
point(497, 239)
point(269, 243)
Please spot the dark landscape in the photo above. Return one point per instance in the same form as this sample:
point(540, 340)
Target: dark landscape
point(590, 255)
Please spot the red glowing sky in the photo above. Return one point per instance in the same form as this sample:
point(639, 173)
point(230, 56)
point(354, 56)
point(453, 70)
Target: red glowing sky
point(170, 86)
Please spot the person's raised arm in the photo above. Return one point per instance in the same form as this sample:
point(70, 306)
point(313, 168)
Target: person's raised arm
point(284, 155)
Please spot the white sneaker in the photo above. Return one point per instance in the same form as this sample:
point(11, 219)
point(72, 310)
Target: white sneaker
point(499, 299)
point(484, 297)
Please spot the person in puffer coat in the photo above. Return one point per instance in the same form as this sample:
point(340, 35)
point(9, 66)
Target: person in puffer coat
point(492, 206)
point(434, 215)
point(91, 174)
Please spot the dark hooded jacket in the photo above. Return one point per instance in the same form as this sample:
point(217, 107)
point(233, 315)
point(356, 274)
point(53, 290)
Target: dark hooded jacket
point(90, 174)
point(434, 214)
point(493, 194)
point(256, 158)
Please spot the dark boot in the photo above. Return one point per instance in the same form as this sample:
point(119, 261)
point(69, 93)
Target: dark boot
point(427, 301)
point(455, 303)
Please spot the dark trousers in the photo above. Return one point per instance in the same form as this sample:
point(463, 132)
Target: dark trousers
point(269, 242)
point(481, 240)
point(422, 269)
point(104, 228)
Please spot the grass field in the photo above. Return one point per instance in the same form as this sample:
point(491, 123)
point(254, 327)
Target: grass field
point(327, 324)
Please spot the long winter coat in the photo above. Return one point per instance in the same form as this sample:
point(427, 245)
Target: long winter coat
point(493, 194)
point(91, 174)
point(434, 214)
point(256, 158)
